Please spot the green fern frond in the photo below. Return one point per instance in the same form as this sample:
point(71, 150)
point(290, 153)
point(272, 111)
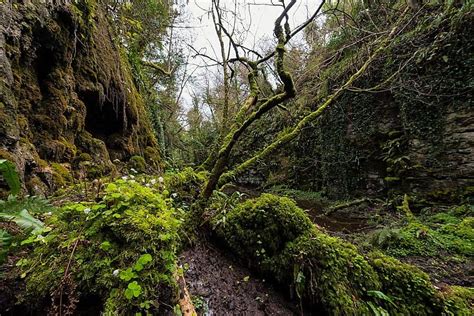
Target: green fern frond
point(5, 242)
point(33, 204)
point(24, 220)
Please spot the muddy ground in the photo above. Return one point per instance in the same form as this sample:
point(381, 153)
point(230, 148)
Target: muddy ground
point(220, 286)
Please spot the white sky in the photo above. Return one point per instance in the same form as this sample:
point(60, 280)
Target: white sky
point(257, 19)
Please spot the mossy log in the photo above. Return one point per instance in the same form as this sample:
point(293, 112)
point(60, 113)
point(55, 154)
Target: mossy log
point(328, 274)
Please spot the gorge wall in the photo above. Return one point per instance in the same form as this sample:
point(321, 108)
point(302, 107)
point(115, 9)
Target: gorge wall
point(413, 134)
point(67, 98)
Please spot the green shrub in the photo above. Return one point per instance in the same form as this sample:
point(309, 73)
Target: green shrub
point(121, 250)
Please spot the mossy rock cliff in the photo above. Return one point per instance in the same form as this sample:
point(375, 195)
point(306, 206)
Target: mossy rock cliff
point(66, 90)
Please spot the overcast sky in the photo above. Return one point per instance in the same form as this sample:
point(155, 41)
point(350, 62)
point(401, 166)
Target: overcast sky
point(257, 16)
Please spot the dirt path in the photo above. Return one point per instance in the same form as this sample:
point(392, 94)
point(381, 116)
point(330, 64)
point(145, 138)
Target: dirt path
point(220, 286)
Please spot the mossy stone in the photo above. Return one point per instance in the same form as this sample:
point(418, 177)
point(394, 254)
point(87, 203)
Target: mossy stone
point(138, 163)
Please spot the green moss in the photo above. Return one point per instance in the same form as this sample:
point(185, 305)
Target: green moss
point(277, 238)
point(327, 272)
point(84, 157)
point(61, 174)
point(186, 184)
point(458, 300)
point(153, 158)
point(407, 285)
point(138, 163)
point(260, 228)
point(130, 235)
point(451, 232)
point(36, 187)
point(4, 154)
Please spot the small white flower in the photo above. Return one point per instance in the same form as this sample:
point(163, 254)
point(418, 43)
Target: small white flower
point(147, 185)
point(132, 176)
point(161, 180)
point(48, 214)
point(39, 237)
point(133, 170)
point(87, 210)
point(153, 181)
point(174, 195)
point(124, 178)
point(132, 181)
point(116, 272)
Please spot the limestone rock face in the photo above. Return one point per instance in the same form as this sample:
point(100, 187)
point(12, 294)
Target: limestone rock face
point(67, 98)
point(414, 135)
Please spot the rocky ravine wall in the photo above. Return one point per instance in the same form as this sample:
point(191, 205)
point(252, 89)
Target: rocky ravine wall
point(415, 136)
point(67, 99)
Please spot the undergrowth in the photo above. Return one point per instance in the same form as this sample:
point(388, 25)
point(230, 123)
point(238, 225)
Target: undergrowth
point(430, 234)
point(120, 250)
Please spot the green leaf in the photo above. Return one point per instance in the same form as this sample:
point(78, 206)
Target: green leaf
point(142, 261)
point(9, 173)
point(24, 220)
point(105, 245)
point(5, 242)
point(133, 290)
point(127, 275)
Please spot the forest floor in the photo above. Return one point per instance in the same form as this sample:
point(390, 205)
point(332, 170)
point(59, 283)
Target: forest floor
point(359, 225)
point(362, 224)
point(219, 285)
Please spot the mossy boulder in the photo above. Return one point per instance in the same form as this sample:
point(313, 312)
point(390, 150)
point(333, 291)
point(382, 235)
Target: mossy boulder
point(259, 229)
point(137, 163)
point(119, 252)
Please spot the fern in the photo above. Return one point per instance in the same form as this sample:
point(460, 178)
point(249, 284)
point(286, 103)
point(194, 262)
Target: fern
point(9, 173)
point(34, 205)
point(24, 220)
point(19, 211)
point(5, 242)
